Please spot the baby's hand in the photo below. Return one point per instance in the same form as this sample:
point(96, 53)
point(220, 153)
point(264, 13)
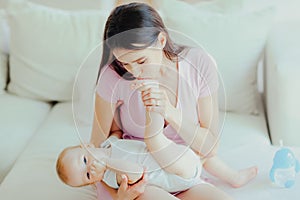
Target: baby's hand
point(98, 169)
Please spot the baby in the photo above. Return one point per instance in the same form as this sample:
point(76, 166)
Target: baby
point(78, 166)
point(170, 166)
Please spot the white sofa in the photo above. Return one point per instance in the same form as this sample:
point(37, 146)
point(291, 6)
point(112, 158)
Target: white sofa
point(43, 66)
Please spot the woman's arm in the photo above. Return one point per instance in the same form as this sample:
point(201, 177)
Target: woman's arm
point(203, 136)
point(104, 123)
point(103, 118)
point(115, 129)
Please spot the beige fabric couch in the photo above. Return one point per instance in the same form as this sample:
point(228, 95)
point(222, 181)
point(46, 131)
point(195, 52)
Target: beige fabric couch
point(44, 64)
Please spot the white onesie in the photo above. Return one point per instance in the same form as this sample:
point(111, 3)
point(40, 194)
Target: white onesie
point(136, 152)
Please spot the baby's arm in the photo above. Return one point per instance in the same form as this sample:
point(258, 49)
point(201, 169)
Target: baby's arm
point(174, 158)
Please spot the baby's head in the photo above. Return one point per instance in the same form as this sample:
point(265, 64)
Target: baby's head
point(74, 167)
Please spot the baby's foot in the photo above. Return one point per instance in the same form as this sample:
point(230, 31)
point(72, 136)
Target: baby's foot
point(244, 176)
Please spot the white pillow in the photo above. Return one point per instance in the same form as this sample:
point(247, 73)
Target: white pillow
point(84, 89)
point(233, 35)
point(47, 47)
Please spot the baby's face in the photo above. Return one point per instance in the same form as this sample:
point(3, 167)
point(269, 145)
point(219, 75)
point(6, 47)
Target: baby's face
point(79, 168)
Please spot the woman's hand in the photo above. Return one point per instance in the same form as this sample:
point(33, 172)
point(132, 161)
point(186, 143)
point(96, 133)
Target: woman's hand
point(127, 192)
point(155, 98)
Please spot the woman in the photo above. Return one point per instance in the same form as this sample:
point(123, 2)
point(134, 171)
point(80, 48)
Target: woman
point(137, 49)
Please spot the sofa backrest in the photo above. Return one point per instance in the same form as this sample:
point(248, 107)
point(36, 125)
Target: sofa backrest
point(47, 46)
point(234, 34)
point(45, 59)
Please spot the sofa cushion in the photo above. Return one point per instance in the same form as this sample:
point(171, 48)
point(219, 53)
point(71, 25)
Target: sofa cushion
point(240, 130)
point(19, 119)
point(234, 36)
point(261, 188)
point(282, 83)
point(4, 32)
point(287, 10)
point(3, 51)
point(59, 131)
point(34, 173)
point(47, 47)
point(3, 71)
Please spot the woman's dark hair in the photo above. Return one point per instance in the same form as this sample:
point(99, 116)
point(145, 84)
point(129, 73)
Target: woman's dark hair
point(133, 26)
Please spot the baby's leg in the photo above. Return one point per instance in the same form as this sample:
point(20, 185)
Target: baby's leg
point(216, 167)
point(173, 158)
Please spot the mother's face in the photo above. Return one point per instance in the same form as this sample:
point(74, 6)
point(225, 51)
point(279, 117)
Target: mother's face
point(142, 64)
point(145, 63)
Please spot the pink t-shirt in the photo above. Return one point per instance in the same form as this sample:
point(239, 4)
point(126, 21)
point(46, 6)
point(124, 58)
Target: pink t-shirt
point(197, 78)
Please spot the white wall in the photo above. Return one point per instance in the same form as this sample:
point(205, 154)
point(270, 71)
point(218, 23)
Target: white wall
point(72, 4)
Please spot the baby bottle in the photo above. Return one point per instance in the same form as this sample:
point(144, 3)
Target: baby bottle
point(284, 169)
